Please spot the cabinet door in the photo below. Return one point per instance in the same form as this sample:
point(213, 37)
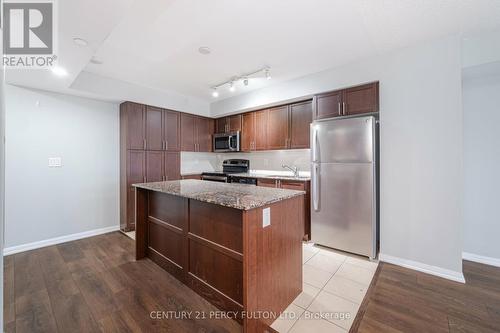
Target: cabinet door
point(136, 173)
point(197, 177)
point(136, 161)
point(154, 128)
point(171, 125)
point(204, 131)
point(328, 105)
point(154, 166)
point(277, 128)
point(267, 182)
point(136, 125)
point(300, 120)
point(293, 185)
point(187, 132)
point(248, 132)
point(261, 118)
point(235, 123)
point(172, 166)
point(221, 125)
point(361, 99)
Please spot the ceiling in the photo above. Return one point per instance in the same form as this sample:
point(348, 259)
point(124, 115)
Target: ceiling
point(155, 43)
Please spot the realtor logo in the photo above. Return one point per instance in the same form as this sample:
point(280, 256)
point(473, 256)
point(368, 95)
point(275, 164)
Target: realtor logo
point(28, 34)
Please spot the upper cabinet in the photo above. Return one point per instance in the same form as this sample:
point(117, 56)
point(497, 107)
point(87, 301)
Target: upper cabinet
point(283, 127)
point(133, 125)
point(277, 128)
point(361, 99)
point(351, 101)
point(228, 124)
point(300, 121)
point(171, 130)
point(154, 128)
point(196, 133)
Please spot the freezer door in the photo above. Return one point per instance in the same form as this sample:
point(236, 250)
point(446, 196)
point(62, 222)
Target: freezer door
point(343, 140)
point(343, 207)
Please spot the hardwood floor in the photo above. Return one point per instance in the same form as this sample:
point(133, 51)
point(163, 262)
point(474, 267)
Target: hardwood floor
point(403, 300)
point(95, 285)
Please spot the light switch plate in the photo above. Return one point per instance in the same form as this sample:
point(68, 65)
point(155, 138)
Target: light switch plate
point(266, 217)
point(55, 162)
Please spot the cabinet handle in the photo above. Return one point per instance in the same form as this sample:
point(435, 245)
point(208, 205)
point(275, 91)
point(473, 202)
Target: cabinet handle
point(340, 111)
point(144, 178)
point(344, 107)
point(144, 144)
point(166, 144)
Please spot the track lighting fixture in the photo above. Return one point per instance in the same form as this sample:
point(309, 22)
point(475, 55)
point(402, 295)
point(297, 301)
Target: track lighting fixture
point(268, 74)
point(243, 78)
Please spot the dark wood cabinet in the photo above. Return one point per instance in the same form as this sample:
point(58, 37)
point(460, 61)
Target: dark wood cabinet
point(361, 99)
point(154, 166)
point(133, 171)
point(300, 121)
point(277, 128)
point(228, 124)
point(267, 182)
point(172, 165)
point(171, 130)
point(261, 120)
point(204, 131)
point(133, 125)
point(328, 105)
point(188, 132)
point(248, 132)
point(346, 102)
point(154, 128)
point(196, 133)
point(197, 177)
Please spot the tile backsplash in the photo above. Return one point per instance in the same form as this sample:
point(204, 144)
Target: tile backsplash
point(262, 160)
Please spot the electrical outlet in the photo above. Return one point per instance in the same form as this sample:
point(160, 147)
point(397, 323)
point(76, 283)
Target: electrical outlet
point(55, 162)
point(266, 217)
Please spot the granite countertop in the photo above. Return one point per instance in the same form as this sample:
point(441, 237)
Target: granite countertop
point(268, 176)
point(239, 196)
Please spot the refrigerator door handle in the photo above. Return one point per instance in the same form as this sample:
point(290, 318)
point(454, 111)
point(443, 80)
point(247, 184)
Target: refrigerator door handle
point(315, 145)
point(315, 185)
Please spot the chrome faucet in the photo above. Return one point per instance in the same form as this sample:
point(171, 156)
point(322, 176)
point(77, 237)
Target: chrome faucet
point(294, 169)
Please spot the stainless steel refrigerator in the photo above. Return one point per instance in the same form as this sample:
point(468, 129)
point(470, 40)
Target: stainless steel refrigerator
point(344, 184)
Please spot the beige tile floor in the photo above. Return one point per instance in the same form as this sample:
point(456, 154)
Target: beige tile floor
point(130, 234)
point(334, 284)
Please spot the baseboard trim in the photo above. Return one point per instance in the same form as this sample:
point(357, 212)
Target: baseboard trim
point(481, 259)
point(424, 268)
point(57, 240)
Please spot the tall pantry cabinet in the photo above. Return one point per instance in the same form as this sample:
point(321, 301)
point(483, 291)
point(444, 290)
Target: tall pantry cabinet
point(149, 152)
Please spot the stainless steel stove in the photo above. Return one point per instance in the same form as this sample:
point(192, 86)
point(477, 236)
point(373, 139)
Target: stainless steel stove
point(228, 167)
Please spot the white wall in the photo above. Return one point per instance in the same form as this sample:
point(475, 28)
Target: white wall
point(42, 202)
point(421, 147)
point(2, 179)
point(195, 163)
point(481, 101)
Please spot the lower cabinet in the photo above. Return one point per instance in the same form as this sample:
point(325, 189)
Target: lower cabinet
point(139, 166)
point(297, 186)
point(198, 177)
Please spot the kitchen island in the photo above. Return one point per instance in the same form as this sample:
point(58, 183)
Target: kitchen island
point(238, 246)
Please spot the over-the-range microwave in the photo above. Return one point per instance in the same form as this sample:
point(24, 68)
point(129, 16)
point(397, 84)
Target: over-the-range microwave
point(227, 142)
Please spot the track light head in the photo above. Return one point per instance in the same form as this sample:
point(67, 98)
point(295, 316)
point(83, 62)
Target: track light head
point(215, 93)
point(245, 81)
point(231, 86)
point(268, 74)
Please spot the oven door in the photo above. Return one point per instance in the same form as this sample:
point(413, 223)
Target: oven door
point(227, 142)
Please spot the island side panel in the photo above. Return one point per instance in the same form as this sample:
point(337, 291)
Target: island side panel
point(272, 263)
point(215, 268)
point(167, 230)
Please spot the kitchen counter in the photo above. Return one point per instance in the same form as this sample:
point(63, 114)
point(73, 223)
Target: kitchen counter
point(268, 176)
point(239, 196)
